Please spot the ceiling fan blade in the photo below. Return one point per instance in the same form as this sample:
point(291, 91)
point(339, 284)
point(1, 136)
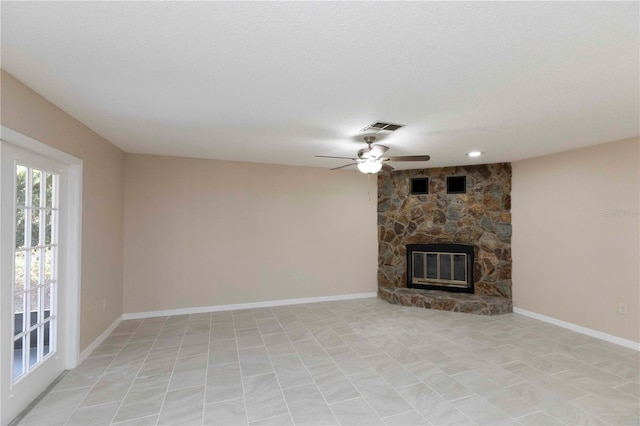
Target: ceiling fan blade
point(409, 158)
point(386, 167)
point(377, 151)
point(342, 158)
point(342, 167)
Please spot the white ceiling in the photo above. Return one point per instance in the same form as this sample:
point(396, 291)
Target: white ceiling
point(278, 82)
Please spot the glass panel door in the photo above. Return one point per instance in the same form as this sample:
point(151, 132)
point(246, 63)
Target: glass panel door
point(35, 268)
point(39, 270)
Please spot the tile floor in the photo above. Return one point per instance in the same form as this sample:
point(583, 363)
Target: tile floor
point(358, 362)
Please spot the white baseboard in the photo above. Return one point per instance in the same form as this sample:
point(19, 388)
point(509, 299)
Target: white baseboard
point(265, 304)
point(92, 347)
point(580, 329)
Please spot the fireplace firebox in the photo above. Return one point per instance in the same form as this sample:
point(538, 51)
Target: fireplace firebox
point(447, 267)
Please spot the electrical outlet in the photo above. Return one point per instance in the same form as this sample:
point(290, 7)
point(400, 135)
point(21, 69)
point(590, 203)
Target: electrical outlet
point(104, 304)
point(622, 308)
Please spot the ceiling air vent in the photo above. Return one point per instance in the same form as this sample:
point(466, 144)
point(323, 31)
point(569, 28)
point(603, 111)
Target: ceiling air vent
point(381, 127)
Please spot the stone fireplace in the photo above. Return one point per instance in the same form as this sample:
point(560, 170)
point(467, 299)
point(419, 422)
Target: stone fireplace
point(426, 225)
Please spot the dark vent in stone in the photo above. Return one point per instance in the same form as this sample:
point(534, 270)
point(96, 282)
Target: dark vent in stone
point(419, 186)
point(382, 127)
point(456, 184)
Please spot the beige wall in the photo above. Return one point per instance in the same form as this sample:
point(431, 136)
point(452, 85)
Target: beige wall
point(206, 232)
point(571, 260)
point(28, 113)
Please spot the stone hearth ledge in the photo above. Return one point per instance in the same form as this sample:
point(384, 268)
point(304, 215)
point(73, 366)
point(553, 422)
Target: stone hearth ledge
point(446, 301)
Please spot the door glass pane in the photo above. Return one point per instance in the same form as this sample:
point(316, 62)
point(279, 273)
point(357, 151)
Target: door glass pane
point(35, 227)
point(47, 338)
point(33, 346)
point(48, 214)
point(48, 264)
point(46, 296)
point(18, 314)
point(18, 273)
point(35, 266)
point(35, 187)
point(49, 191)
point(18, 357)
point(34, 306)
point(20, 215)
point(21, 185)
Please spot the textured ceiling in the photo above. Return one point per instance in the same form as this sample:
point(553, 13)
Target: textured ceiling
point(278, 82)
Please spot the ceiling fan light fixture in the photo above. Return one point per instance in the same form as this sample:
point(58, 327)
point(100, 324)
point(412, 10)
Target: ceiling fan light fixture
point(370, 166)
point(474, 153)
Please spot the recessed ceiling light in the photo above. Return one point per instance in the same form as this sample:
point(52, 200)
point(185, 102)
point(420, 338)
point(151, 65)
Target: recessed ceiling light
point(474, 154)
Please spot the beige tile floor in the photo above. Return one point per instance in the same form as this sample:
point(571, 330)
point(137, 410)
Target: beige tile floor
point(358, 362)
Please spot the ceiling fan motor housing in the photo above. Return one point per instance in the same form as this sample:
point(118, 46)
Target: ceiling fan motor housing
point(364, 153)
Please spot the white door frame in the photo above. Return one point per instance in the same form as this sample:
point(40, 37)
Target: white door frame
point(71, 268)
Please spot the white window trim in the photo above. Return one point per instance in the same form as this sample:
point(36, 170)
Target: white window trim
point(73, 251)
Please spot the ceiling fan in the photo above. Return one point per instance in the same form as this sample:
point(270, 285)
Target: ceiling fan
point(370, 159)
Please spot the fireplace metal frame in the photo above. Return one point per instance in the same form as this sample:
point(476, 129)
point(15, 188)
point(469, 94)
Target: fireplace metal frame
point(441, 248)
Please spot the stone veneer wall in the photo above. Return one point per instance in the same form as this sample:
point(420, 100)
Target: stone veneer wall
point(480, 218)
